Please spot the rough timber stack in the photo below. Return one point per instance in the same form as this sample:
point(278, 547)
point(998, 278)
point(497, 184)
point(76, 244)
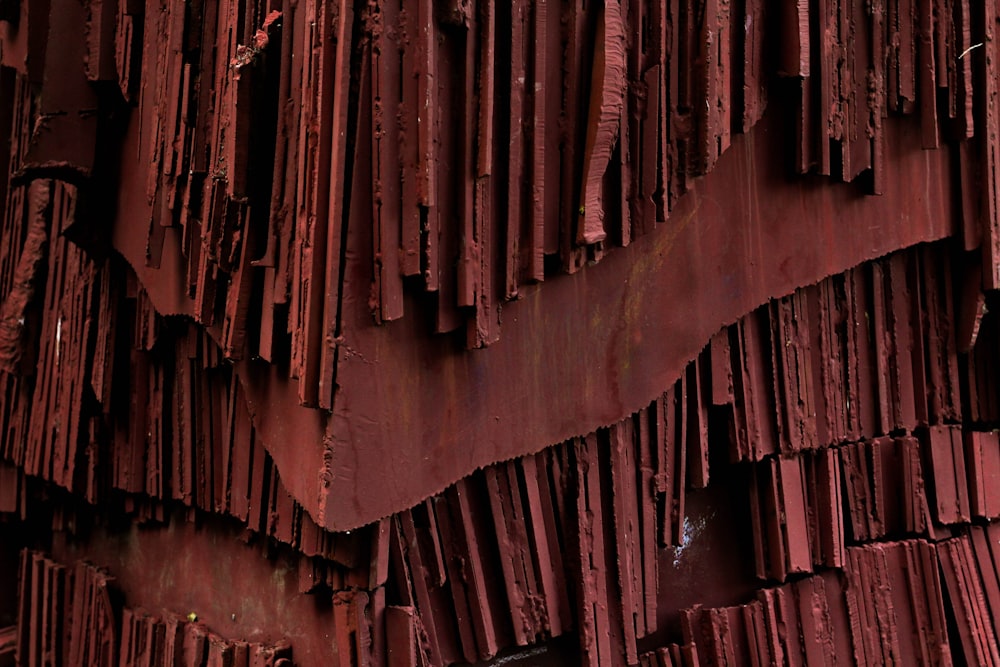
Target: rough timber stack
point(422, 332)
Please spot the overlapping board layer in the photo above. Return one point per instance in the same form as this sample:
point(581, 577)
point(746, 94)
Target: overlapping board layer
point(332, 188)
point(203, 196)
point(869, 506)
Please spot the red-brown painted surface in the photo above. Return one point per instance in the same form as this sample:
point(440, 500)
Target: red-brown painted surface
point(419, 333)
